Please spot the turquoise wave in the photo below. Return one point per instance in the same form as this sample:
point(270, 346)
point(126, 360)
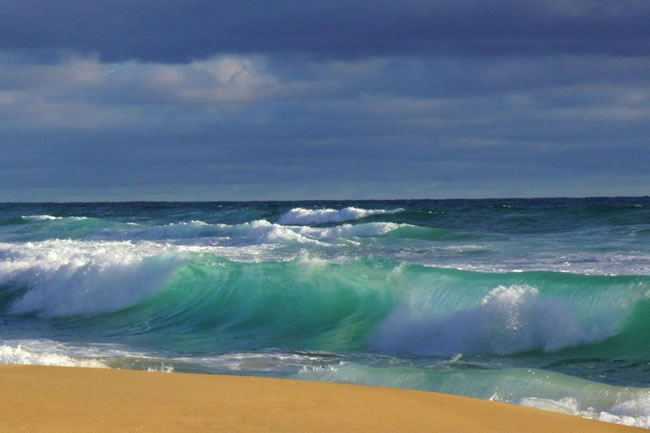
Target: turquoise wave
point(200, 302)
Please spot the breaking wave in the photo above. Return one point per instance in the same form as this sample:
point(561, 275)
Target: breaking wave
point(308, 303)
point(321, 216)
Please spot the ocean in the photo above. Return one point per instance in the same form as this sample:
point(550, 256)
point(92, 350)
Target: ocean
point(537, 302)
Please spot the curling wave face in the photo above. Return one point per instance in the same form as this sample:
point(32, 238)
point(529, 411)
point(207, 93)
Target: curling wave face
point(348, 304)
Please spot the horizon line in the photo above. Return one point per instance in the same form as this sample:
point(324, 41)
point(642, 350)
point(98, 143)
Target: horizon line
point(328, 200)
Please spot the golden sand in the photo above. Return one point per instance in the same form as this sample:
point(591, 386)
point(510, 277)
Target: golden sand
point(63, 399)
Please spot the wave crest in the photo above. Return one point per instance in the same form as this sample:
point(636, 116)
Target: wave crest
point(304, 216)
point(67, 277)
point(509, 320)
point(51, 218)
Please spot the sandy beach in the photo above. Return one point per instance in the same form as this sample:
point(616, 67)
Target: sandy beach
point(64, 399)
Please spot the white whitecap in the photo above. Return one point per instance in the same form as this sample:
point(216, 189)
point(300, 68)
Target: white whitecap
point(320, 216)
point(52, 218)
point(67, 277)
point(508, 320)
point(348, 230)
point(40, 217)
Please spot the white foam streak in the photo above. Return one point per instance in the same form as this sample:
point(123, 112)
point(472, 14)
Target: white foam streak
point(162, 369)
point(267, 362)
point(51, 218)
point(348, 230)
point(40, 217)
point(194, 228)
point(319, 216)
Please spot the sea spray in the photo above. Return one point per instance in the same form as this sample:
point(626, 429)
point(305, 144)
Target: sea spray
point(508, 320)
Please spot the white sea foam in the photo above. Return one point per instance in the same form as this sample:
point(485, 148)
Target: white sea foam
point(319, 216)
point(508, 320)
point(260, 361)
point(258, 231)
point(634, 411)
point(24, 355)
point(347, 230)
point(586, 263)
point(49, 352)
point(262, 231)
point(40, 217)
point(51, 218)
point(162, 368)
point(67, 277)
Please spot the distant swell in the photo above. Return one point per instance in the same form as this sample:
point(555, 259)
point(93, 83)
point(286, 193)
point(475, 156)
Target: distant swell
point(321, 216)
point(45, 227)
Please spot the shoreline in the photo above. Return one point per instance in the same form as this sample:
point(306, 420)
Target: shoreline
point(73, 399)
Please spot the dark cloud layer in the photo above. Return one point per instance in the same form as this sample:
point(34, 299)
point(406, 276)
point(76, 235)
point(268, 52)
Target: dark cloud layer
point(182, 30)
point(206, 99)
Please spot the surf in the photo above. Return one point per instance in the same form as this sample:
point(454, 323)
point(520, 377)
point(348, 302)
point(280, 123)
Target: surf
point(355, 304)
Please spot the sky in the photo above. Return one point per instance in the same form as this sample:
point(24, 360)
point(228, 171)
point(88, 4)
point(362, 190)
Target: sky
point(258, 100)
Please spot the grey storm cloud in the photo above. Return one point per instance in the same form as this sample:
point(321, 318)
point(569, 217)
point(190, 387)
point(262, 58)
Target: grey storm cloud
point(183, 30)
point(198, 99)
